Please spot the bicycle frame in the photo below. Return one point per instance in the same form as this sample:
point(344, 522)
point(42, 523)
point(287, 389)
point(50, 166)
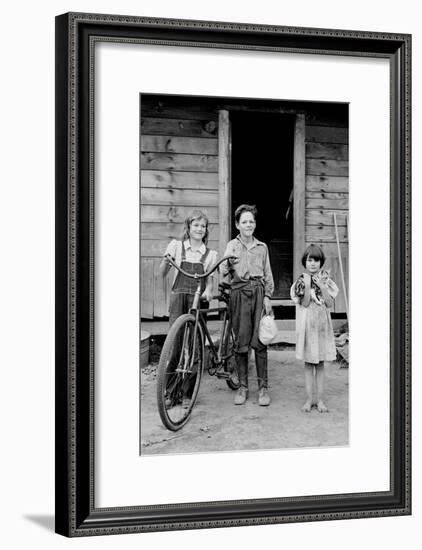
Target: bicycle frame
point(177, 388)
point(199, 314)
point(217, 354)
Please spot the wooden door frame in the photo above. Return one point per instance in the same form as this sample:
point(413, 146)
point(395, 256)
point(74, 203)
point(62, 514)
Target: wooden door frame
point(224, 179)
point(224, 186)
point(299, 161)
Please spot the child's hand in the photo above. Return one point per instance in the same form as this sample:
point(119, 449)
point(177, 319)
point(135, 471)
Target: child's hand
point(316, 280)
point(267, 305)
point(320, 279)
point(207, 295)
point(167, 259)
point(315, 298)
point(307, 279)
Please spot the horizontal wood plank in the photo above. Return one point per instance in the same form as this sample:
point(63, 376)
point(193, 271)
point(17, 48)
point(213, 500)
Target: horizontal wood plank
point(157, 230)
point(327, 134)
point(178, 127)
point(326, 118)
point(325, 217)
point(156, 248)
point(179, 180)
point(181, 109)
point(165, 214)
point(198, 198)
point(322, 233)
point(319, 167)
point(326, 195)
point(330, 184)
point(327, 151)
point(174, 144)
point(327, 204)
point(179, 162)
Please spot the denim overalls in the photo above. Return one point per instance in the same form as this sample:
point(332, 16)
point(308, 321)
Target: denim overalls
point(184, 288)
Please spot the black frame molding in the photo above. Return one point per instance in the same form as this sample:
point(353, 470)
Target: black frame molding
point(76, 34)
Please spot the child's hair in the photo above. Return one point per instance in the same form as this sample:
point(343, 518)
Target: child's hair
point(315, 252)
point(245, 208)
point(195, 215)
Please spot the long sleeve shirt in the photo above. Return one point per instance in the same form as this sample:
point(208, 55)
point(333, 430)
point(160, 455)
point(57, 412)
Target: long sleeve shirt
point(253, 262)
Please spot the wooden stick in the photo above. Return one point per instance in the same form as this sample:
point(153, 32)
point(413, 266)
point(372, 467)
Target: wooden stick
point(341, 265)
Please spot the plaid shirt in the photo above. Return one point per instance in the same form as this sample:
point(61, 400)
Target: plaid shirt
point(254, 261)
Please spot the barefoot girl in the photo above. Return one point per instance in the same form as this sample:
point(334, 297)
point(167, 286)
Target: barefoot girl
point(252, 287)
point(314, 294)
point(193, 256)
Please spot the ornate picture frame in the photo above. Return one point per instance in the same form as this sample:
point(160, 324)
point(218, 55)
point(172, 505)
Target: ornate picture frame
point(77, 35)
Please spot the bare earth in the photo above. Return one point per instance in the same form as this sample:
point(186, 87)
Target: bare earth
point(218, 425)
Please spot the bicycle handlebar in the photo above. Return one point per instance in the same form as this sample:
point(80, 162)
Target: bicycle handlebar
point(197, 275)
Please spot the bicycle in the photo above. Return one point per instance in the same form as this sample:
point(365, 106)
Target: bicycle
point(183, 355)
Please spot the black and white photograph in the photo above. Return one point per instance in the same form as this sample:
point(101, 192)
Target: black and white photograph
point(233, 204)
point(244, 262)
point(196, 194)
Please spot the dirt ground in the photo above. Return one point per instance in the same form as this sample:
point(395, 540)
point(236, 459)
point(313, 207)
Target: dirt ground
point(218, 425)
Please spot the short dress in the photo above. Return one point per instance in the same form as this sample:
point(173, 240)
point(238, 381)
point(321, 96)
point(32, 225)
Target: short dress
point(314, 329)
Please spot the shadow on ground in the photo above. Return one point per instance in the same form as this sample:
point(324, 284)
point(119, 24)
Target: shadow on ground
point(47, 522)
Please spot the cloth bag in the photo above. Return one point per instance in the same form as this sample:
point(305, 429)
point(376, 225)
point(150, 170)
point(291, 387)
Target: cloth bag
point(267, 329)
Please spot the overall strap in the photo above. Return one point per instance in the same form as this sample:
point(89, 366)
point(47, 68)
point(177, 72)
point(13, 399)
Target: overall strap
point(183, 256)
point(204, 256)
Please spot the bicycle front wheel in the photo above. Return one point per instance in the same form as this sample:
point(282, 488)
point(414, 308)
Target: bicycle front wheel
point(179, 372)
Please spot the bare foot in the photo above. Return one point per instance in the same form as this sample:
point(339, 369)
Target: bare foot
point(321, 407)
point(307, 407)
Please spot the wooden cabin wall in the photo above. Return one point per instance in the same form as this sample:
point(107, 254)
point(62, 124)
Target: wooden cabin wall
point(179, 172)
point(327, 192)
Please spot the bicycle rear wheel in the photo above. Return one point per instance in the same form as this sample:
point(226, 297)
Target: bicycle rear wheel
point(179, 372)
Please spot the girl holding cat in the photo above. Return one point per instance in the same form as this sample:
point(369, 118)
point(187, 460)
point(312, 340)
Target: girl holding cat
point(314, 293)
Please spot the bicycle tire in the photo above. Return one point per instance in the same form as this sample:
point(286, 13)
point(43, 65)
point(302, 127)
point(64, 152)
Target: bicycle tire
point(175, 384)
point(230, 366)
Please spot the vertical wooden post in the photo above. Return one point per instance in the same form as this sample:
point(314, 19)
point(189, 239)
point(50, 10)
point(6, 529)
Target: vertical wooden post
point(340, 261)
point(299, 195)
point(224, 179)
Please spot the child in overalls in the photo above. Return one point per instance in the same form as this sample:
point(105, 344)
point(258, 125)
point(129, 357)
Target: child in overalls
point(193, 256)
point(252, 286)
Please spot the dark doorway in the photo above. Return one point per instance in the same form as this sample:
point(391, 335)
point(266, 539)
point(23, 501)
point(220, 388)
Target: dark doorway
point(262, 174)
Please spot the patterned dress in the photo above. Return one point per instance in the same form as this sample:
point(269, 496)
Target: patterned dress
point(314, 329)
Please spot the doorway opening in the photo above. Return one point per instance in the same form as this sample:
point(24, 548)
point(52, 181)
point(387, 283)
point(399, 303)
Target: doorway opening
point(262, 174)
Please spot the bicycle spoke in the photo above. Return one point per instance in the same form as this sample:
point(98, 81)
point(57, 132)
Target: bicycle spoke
point(179, 372)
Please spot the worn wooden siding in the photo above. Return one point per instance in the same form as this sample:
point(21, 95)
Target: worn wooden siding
point(327, 192)
point(179, 172)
